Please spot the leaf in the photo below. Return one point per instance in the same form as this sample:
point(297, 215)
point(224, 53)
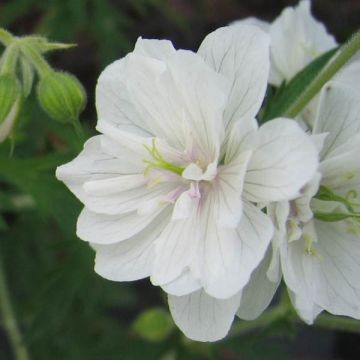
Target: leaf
point(154, 325)
point(288, 93)
point(3, 224)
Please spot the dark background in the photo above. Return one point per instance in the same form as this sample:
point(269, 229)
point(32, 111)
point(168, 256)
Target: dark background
point(66, 311)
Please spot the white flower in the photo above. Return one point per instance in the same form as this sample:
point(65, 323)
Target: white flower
point(169, 188)
point(320, 260)
point(297, 38)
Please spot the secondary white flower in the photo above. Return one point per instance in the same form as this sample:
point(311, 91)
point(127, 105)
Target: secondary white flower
point(170, 188)
point(319, 259)
point(297, 38)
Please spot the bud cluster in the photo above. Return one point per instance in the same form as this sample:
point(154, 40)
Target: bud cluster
point(60, 94)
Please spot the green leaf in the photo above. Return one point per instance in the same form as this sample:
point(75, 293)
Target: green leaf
point(154, 325)
point(288, 93)
point(3, 224)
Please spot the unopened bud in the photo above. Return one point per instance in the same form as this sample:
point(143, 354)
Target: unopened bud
point(10, 94)
point(62, 96)
point(10, 90)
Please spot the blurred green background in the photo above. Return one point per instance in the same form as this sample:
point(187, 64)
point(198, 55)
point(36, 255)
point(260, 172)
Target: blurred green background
point(64, 309)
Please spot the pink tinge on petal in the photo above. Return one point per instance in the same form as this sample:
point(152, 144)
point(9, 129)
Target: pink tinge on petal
point(194, 191)
point(173, 195)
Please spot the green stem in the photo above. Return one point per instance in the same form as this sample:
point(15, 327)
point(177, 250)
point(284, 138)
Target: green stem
point(338, 323)
point(10, 324)
point(9, 59)
point(5, 37)
point(345, 53)
point(37, 60)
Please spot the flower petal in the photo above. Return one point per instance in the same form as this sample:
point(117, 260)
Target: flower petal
point(329, 276)
point(108, 229)
point(296, 39)
point(93, 163)
point(201, 317)
point(183, 285)
point(184, 99)
point(174, 249)
point(241, 53)
point(227, 257)
point(284, 161)
point(130, 259)
point(338, 116)
point(258, 293)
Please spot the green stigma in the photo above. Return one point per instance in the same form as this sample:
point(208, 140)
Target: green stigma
point(158, 162)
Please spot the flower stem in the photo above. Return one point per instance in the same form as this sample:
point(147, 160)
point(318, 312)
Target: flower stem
point(338, 323)
point(10, 324)
point(345, 53)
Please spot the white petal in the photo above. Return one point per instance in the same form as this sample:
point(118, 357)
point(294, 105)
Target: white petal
point(338, 116)
point(284, 161)
point(153, 48)
point(258, 293)
point(175, 249)
point(201, 317)
point(306, 308)
point(112, 186)
point(130, 259)
point(185, 205)
point(108, 229)
point(183, 285)
point(349, 75)
point(328, 278)
point(227, 257)
point(341, 173)
point(263, 25)
point(93, 163)
point(192, 172)
point(187, 97)
point(241, 53)
point(113, 103)
point(296, 39)
point(228, 188)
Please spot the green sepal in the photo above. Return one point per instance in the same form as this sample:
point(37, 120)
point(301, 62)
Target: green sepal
point(27, 76)
point(325, 194)
point(288, 93)
point(42, 45)
point(333, 217)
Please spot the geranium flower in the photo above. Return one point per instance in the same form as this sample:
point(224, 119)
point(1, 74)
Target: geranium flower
point(317, 242)
point(297, 39)
point(170, 188)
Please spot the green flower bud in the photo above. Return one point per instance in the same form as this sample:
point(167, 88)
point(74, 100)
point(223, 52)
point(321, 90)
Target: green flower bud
point(10, 95)
point(62, 96)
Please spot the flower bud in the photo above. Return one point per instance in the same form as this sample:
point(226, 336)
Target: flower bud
point(62, 96)
point(10, 94)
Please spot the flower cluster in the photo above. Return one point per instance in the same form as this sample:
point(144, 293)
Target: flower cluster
point(183, 185)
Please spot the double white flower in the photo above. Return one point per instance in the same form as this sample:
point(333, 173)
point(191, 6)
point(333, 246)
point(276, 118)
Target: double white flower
point(320, 259)
point(171, 188)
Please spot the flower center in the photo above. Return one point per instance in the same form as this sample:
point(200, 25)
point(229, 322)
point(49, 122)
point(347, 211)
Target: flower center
point(158, 162)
